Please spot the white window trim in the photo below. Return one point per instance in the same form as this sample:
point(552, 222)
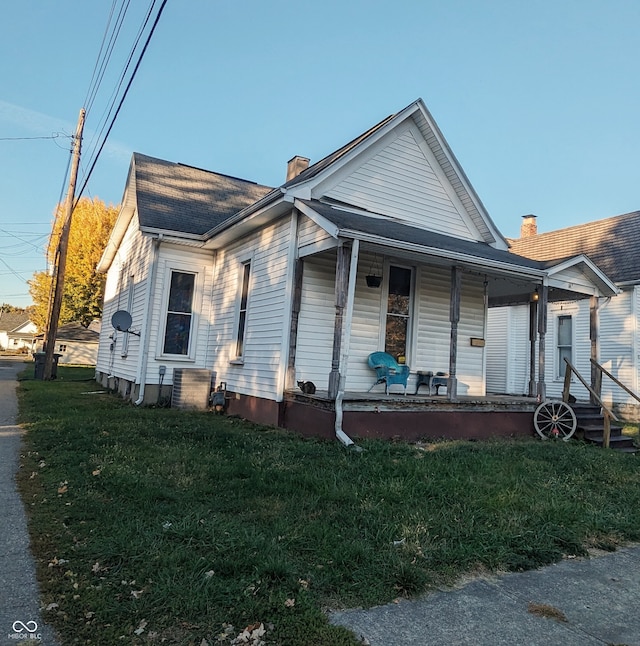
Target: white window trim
point(198, 272)
point(236, 359)
point(572, 313)
point(384, 299)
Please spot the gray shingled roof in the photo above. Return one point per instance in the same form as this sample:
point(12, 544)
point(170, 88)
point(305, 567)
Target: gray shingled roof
point(320, 165)
point(612, 243)
point(10, 321)
point(400, 232)
point(175, 197)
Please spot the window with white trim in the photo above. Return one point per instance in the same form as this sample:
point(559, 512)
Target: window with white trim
point(398, 316)
point(242, 310)
point(564, 342)
point(179, 320)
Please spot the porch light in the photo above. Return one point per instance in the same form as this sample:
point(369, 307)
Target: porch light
point(535, 296)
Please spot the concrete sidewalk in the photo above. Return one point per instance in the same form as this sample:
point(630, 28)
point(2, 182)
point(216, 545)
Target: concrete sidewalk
point(597, 600)
point(19, 597)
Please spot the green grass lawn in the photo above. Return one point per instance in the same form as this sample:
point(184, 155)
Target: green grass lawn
point(152, 525)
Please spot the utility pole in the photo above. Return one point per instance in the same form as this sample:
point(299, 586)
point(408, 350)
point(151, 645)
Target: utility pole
point(58, 277)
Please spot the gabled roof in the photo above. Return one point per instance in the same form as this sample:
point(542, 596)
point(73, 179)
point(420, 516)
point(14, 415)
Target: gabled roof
point(13, 321)
point(612, 243)
point(418, 113)
point(76, 332)
point(176, 197)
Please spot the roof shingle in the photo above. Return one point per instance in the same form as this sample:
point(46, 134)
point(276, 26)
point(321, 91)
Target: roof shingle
point(612, 243)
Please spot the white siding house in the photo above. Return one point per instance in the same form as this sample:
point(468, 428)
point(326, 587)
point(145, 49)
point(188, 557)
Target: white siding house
point(612, 243)
point(260, 288)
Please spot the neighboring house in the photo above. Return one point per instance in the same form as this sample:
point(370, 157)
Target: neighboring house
point(17, 332)
point(613, 245)
point(260, 287)
point(76, 344)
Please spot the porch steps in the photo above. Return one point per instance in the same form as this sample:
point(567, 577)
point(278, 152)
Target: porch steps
point(591, 428)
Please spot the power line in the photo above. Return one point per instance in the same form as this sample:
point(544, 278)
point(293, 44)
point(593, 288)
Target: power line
point(54, 136)
point(126, 91)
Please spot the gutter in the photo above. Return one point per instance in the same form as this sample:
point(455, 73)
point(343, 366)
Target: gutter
point(145, 344)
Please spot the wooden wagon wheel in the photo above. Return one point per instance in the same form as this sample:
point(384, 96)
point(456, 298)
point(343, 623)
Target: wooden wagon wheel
point(555, 420)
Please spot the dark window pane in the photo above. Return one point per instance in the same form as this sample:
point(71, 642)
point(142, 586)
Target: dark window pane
point(398, 304)
point(564, 353)
point(240, 341)
point(245, 287)
point(399, 281)
point(181, 292)
point(564, 330)
point(176, 337)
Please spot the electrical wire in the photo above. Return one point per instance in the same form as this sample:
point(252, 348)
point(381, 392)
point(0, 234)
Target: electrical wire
point(93, 144)
point(124, 95)
point(54, 136)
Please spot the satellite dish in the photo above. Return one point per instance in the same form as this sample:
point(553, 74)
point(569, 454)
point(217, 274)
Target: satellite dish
point(121, 320)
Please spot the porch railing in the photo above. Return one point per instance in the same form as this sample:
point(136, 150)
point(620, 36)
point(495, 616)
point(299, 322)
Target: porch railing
point(607, 414)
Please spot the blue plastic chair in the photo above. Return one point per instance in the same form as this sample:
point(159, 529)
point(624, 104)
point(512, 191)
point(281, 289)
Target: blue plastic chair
point(388, 371)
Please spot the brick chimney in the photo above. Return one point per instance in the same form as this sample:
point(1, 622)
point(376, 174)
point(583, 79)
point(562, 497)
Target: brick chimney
point(296, 165)
point(529, 226)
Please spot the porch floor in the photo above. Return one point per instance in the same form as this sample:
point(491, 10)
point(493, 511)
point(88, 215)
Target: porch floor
point(379, 401)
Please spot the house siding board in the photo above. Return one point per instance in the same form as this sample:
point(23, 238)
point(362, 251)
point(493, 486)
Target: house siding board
point(309, 233)
point(400, 182)
point(470, 359)
point(132, 260)
point(316, 321)
point(365, 328)
point(498, 340)
point(433, 326)
point(516, 339)
point(617, 327)
point(268, 251)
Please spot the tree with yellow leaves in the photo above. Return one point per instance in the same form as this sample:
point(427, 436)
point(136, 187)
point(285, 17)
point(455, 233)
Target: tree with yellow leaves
point(91, 225)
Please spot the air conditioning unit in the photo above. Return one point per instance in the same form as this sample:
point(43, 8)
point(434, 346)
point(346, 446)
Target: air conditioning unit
point(191, 388)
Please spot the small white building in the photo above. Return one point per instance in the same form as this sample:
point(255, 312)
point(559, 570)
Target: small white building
point(227, 281)
point(603, 328)
point(17, 332)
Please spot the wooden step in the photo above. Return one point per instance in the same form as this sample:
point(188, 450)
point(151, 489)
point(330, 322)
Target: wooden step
point(590, 426)
point(622, 443)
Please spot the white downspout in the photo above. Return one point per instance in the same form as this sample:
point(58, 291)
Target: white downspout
point(351, 290)
point(145, 327)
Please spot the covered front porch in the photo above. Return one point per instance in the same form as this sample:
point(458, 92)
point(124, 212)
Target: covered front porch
point(427, 310)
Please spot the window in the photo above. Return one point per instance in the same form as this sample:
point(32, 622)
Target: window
point(242, 313)
point(62, 347)
point(398, 311)
point(179, 313)
point(565, 337)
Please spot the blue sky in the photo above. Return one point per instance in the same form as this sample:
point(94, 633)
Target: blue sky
point(538, 99)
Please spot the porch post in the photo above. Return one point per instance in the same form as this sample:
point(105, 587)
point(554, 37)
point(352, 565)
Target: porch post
point(596, 375)
point(454, 317)
point(533, 335)
point(542, 331)
point(341, 288)
point(295, 317)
